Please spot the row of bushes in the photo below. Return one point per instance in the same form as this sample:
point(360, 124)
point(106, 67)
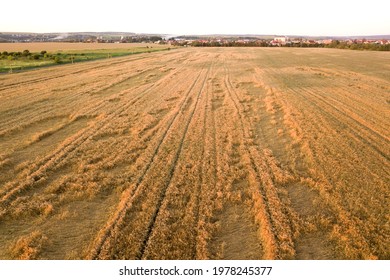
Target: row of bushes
point(336, 44)
point(27, 55)
point(24, 54)
point(359, 46)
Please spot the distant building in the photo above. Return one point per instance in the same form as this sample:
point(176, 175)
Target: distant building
point(327, 42)
point(281, 40)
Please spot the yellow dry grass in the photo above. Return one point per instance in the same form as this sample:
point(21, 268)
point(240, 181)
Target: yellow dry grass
point(235, 153)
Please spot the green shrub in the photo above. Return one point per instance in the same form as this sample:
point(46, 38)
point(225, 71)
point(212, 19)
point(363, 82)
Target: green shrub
point(57, 60)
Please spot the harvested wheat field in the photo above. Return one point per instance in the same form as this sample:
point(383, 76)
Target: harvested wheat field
point(198, 153)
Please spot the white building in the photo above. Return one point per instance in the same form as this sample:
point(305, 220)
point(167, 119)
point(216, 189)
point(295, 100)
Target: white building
point(281, 40)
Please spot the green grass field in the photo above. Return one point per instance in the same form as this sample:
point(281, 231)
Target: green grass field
point(11, 61)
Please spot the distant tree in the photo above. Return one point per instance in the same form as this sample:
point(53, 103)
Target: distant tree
point(36, 56)
point(57, 60)
point(43, 52)
point(354, 47)
point(343, 45)
point(385, 47)
point(26, 53)
point(155, 38)
point(196, 44)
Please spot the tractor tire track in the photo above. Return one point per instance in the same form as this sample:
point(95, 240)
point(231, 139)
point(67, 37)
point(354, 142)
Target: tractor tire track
point(121, 212)
point(172, 169)
point(277, 221)
point(10, 191)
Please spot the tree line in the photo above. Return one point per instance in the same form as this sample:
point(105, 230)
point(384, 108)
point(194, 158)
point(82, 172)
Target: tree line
point(43, 55)
point(263, 43)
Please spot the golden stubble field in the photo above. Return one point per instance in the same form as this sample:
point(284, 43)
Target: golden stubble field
point(226, 153)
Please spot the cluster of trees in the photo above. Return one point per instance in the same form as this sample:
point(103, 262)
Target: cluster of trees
point(27, 55)
point(358, 46)
point(258, 43)
point(140, 39)
point(303, 44)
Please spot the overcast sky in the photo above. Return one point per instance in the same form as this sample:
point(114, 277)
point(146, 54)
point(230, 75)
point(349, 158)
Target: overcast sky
point(294, 17)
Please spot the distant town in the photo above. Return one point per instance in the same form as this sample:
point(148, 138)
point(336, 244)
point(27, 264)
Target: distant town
point(380, 42)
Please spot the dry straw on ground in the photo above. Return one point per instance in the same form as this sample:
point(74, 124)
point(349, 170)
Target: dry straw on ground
point(233, 153)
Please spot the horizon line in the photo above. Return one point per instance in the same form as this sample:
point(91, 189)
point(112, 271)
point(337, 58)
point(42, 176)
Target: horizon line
point(204, 34)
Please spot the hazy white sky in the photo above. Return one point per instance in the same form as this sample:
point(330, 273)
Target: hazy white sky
point(295, 17)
